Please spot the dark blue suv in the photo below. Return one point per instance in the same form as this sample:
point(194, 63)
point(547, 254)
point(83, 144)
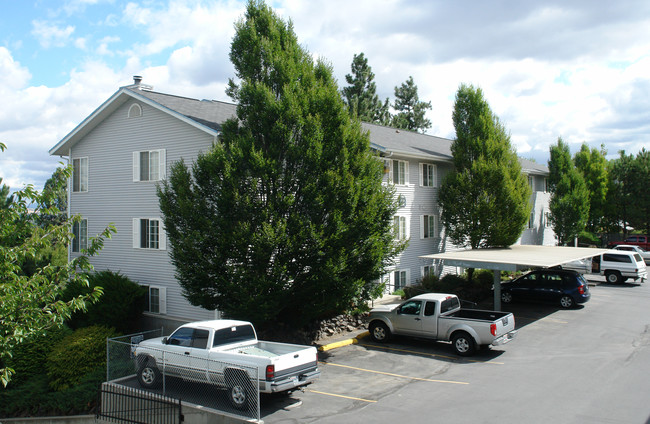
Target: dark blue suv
point(564, 287)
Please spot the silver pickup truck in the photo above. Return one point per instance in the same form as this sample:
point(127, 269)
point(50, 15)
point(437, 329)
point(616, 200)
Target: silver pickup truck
point(226, 353)
point(439, 316)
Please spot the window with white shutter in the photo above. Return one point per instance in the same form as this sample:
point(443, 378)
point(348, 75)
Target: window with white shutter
point(148, 233)
point(150, 165)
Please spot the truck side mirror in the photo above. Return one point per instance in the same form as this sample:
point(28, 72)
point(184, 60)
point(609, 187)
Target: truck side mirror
point(164, 340)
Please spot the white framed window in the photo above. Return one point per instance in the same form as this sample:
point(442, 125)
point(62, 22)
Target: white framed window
point(531, 182)
point(427, 270)
point(80, 235)
point(547, 219)
point(428, 226)
point(156, 299)
point(428, 175)
point(400, 226)
point(398, 173)
point(546, 187)
point(149, 165)
point(400, 278)
point(531, 220)
point(135, 111)
point(148, 233)
point(79, 175)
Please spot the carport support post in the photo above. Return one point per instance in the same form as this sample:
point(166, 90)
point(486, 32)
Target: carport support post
point(497, 289)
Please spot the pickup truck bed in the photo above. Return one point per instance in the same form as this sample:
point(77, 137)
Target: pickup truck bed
point(439, 316)
point(477, 314)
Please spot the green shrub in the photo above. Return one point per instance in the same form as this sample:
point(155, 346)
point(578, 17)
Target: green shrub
point(475, 291)
point(399, 292)
point(78, 355)
point(29, 357)
point(34, 397)
point(484, 277)
point(120, 306)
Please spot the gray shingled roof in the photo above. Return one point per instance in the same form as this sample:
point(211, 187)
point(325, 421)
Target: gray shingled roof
point(212, 114)
point(409, 143)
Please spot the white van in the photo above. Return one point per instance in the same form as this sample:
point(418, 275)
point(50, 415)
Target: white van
point(617, 266)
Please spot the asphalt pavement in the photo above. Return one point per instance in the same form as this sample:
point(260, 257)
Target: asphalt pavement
point(588, 364)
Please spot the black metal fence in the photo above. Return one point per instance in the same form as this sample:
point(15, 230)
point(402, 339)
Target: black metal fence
point(121, 404)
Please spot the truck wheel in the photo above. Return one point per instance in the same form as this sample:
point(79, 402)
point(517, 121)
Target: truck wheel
point(379, 331)
point(149, 375)
point(506, 297)
point(566, 302)
point(463, 344)
point(613, 277)
point(240, 389)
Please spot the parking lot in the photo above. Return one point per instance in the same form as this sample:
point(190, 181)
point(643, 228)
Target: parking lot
point(589, 364)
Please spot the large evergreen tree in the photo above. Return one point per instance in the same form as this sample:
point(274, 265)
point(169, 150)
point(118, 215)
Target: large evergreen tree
point(286, 217)
point(593, 166)
point(485, 200)
point(361, 94)
point(410, 111)
point(569, 203)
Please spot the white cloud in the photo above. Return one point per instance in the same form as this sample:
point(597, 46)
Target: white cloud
point(579, 70)
point(51, 35)
point(14, 76)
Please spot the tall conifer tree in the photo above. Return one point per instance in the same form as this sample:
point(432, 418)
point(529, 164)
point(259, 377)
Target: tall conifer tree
point(485, 200)
point(286, 217)
point(361, 94)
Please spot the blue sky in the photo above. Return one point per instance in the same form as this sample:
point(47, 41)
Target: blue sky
point(579, 70)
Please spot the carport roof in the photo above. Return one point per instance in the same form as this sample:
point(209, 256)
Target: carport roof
point(515, 257)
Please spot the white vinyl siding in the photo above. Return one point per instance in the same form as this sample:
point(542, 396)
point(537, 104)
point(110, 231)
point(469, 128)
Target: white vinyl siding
point(149, 165)
point(428, 226)
point(148, 233)
point(428, 176)
point(79, 175)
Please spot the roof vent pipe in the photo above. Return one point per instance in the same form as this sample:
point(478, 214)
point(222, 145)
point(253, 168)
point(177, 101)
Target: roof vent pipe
point(137, 79)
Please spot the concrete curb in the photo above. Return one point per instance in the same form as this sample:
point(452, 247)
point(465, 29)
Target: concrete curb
point(342, 343)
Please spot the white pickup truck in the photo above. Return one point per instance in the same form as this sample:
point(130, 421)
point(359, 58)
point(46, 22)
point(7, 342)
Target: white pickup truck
point(439, 316)
point(226, 353)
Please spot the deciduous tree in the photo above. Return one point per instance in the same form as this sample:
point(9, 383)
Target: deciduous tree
point(593, 166)
point(569, 203)
point(30, 304)
point(285, 219)
point(485, 200)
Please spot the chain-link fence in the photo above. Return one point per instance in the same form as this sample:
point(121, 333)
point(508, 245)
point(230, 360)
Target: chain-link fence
point(184, 373)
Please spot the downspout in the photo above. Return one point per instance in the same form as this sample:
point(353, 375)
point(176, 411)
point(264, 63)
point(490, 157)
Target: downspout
point(69, 195)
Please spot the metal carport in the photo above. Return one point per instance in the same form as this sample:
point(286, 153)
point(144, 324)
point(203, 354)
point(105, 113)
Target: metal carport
point(513, 258)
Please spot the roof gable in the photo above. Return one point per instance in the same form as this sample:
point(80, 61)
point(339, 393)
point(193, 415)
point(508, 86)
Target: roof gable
point(204, 115)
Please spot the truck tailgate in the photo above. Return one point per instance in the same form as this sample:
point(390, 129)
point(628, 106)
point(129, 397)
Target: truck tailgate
point(505, 324)
point(290, 358)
